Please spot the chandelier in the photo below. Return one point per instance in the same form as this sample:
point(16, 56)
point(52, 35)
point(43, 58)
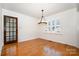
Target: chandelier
point(42, 21)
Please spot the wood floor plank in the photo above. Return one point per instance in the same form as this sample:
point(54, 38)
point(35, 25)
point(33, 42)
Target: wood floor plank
point(39, 47)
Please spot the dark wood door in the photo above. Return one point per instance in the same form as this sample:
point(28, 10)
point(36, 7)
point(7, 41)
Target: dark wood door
point(10, 29)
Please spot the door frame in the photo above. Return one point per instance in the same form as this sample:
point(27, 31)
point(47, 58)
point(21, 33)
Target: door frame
point(16, 29)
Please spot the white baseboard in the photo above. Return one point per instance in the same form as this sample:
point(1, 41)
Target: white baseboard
point(27, 39)
point(75, 45)
point(1, 49)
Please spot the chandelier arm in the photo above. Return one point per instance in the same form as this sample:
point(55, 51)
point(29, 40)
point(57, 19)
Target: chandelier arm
point(41, 16)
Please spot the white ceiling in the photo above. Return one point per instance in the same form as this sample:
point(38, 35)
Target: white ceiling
point(34, 9)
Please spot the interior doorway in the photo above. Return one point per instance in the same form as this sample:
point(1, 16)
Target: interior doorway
point(10, 29)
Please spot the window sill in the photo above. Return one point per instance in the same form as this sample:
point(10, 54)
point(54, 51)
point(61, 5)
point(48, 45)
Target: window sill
point(57, 33)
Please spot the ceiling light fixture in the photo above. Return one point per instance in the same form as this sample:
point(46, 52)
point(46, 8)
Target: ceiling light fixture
point(42, 21)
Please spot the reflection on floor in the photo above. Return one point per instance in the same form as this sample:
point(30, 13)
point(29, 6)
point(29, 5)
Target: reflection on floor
point(39, 47)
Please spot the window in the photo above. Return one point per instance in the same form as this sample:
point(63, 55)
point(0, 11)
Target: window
point(53, 26)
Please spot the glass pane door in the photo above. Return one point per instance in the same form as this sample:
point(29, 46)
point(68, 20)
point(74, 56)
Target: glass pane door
point(10, 29)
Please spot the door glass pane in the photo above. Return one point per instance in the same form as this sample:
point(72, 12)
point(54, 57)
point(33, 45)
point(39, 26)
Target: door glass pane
point(11, 29)
point(7, 39)
point(11, 33)
point(14, 33)
point(7, 20)
point(7, 24)
point(15, 25)
point(14, 29)
point(7, 33)
point(11, 20)
point(14, 20)
point(11, 38)
point(14, 37)
point(11, 25)
point(7, 29)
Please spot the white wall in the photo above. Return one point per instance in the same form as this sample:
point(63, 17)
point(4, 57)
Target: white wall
point(78, 26)
point(1, 41)
point(26, 25)
point(68, 24)
point(78, 22)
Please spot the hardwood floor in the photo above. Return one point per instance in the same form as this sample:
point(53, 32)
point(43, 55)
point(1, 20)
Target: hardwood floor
point(39, 47)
